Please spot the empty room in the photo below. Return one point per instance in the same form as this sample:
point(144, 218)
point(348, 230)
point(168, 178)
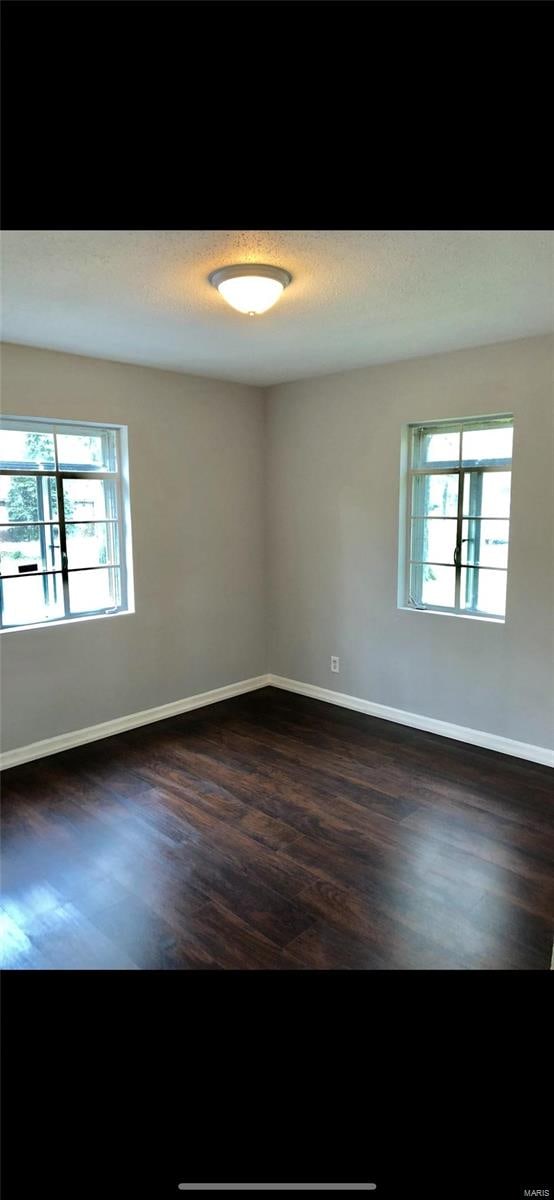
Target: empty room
point(277, 584)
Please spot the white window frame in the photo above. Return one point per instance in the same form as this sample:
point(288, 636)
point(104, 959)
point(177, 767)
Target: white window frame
point(120, 479)
point(460, 468)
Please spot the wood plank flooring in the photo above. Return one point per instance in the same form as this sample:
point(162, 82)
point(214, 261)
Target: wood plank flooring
point(276, 832)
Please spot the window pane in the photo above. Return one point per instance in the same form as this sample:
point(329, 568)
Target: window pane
point(433, 541)
point(486, 542)
point(91, 545)
point(478, 445)
point(435, 496)
point(484, 591)
point(22, 545)
point(20, 449)
point(494, 500)
point(94, 591)
point(28, 498)
point(430, 446)
point(89, 499)
point(87, 450)
point(433, 585)
point(32, 598)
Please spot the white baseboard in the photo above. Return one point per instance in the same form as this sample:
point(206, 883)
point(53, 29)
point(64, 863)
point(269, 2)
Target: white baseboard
point(79, 737)
point(475, 737)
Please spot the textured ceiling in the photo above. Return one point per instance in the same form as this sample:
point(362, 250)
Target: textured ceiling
point(357, 297)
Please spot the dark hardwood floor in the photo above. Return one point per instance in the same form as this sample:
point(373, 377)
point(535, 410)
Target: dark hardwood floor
point(274, 831)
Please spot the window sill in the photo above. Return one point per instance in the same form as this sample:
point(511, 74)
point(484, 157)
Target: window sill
point(123, 612)
point(437, 612)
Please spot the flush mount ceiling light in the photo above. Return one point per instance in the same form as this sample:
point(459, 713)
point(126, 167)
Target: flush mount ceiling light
point(251, 288)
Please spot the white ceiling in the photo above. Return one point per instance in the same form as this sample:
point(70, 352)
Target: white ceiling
point(357, 297)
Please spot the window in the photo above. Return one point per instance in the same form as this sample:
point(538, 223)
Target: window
point(458, 516)
point(65, 548)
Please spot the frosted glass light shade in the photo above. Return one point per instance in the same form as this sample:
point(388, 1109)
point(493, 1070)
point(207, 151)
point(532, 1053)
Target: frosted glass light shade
point(251, 294)
point(252, 288)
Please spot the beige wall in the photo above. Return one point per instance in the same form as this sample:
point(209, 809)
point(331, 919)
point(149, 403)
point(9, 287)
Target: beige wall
point(223, 486)
point(196, 469)
point(333, 512)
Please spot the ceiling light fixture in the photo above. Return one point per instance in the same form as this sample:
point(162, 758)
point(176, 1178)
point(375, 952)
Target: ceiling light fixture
point(251, 288)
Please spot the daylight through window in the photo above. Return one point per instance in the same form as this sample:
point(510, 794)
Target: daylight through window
point(63, 533)
point(458, 524)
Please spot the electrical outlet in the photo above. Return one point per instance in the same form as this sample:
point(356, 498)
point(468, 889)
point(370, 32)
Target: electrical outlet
point(335, 663)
